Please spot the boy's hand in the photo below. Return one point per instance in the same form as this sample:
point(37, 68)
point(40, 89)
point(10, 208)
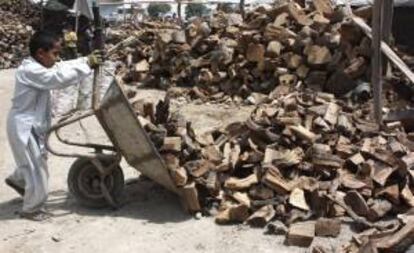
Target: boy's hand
point(95, 59)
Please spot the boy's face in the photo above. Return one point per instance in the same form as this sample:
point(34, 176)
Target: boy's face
point(48, 58)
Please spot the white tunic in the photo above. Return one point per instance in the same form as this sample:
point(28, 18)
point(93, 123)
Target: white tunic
point(31, 104)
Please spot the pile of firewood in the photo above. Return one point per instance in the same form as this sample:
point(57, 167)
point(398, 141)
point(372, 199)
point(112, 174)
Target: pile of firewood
point(302, 156)
point(291, 45)
point(16, 19)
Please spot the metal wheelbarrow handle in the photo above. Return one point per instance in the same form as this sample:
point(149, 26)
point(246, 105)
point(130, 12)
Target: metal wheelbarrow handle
point(68, 121)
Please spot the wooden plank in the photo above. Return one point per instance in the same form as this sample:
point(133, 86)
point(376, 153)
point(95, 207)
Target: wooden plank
point(392, 56)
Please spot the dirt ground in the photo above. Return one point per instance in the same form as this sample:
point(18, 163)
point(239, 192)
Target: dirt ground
point(150, 220)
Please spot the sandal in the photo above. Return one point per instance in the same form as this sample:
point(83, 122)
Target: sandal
point(36, 216)
point(15, 187)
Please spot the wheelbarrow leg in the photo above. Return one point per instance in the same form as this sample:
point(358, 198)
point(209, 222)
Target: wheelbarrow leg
point(104, 171)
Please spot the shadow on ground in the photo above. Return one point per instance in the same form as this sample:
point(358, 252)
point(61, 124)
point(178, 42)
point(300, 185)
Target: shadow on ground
point(143, 200)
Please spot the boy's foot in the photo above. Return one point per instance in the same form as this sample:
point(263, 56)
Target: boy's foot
point(36, 216)
point(15, 187)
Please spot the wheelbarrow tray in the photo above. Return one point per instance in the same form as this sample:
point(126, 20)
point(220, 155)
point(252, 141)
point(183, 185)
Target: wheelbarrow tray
point(123, 128)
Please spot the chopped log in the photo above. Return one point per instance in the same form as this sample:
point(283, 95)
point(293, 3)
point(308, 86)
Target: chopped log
point(350, 181)
point(357, 203)
point(142, 66)
point(212, 154)
point(407, 196)
point(276, 182)
point(344, 125)
point(354, 162)
point(190, 198)
point(397, 148)
point(297, 199)
point(234, 183)
point(298, 14)
point(331, 114)
point(302, 71)
point(324, 158)
point(397, 242)
point(322, 124)
point(274, 48)
point(234, 213)
point(392, 193)
point(324, 7)
point(281, 19)
point(378, 209)
point(172, 144)
point(260, 192)
point(198, 168)
point(301, 234)
point(262, 216)
point(343, 148)
point(327, 227)
point(179, 176)
point(318, 55)
point(303, 133)
point(284, 158)
point(242, 198)
point(380, 171)
point(255, 52)
point(408, 161)
point(293, 61)
point(288, 80)
point(320, 249)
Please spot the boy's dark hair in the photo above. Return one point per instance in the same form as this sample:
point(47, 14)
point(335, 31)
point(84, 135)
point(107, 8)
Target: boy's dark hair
point(42, 40)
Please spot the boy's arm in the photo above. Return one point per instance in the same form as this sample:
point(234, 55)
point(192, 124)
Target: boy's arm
point(62, 75)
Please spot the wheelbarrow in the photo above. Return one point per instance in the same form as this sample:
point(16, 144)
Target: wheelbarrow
point(96, 179)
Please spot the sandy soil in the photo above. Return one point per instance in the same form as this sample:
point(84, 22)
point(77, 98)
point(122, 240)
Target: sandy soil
point(150, 220)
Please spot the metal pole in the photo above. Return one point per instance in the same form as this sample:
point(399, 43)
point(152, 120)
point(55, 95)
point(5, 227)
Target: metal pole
point(376, 71)
point(98, 44)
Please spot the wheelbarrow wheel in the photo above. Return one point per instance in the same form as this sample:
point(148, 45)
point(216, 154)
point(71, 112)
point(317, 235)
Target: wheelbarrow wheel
point(84, 183)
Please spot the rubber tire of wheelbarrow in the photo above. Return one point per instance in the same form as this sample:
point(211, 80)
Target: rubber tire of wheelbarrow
point(75, 172)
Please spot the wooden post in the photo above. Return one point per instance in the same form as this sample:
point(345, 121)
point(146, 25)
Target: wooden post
point(387, 15)
point(241, 5)
point(179, 11)
point(376, 64)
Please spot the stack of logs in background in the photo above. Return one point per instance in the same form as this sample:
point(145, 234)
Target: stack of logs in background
point(16, 19)
point(284, 46)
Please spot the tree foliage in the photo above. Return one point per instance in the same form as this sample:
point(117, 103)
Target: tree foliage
point(155, 10)
point(196, 9)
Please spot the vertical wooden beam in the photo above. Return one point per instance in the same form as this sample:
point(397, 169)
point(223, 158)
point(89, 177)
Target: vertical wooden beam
point(376, 63)
point(387, 15)
point(241, 6)
point(179, 11)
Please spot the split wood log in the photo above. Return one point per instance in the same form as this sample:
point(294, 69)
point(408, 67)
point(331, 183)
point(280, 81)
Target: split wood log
point(262, 216)
point(301, 234)
point(234, 183)
point(190, 198)
point(327, 227)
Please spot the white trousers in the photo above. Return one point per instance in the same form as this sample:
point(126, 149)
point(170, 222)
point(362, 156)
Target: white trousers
point(31, 173)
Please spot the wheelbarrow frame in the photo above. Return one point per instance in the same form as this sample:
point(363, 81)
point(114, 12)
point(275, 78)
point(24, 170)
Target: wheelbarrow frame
point(128, 137)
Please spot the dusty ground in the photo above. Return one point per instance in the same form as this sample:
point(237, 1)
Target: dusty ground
point(151, 219)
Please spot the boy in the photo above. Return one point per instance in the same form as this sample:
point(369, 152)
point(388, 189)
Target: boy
point(30, 116)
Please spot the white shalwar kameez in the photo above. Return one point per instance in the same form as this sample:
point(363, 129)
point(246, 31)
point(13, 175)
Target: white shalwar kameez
point(30, 118)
